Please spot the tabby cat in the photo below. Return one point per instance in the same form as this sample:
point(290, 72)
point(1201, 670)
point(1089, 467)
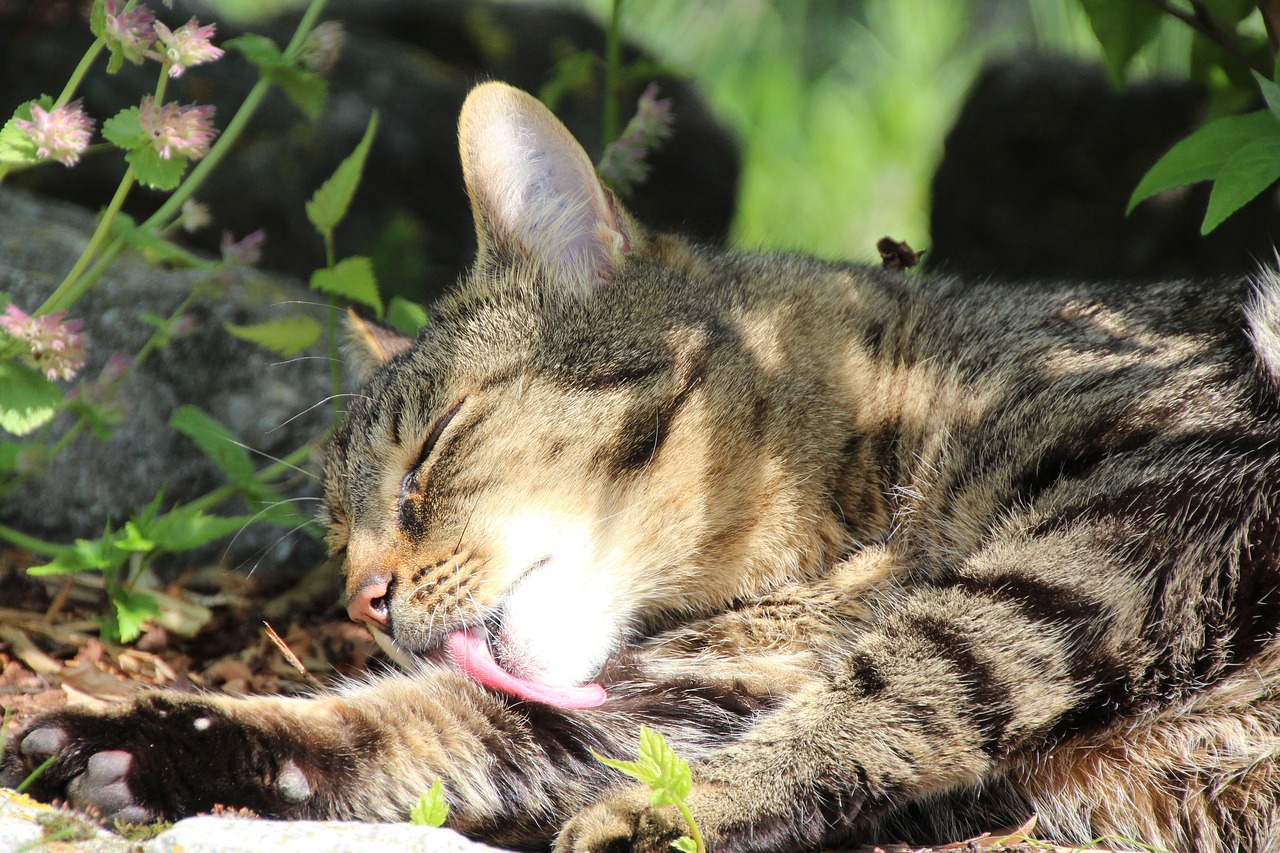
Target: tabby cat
point(883, 556)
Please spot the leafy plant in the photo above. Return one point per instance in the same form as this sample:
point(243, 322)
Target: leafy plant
point(668, 778)
point(172, 148)
point(1240, 154)
point(431, 808)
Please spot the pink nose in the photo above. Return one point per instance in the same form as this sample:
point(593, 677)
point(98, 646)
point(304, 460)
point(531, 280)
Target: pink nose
point(369, 604)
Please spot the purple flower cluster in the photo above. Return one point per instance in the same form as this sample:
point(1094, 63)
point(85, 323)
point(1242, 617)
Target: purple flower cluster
point(60, 134)
point(623, 163)
point(54, 345)
point(173, 129)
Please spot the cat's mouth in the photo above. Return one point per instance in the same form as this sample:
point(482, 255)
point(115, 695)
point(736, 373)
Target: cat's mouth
point(473, 655)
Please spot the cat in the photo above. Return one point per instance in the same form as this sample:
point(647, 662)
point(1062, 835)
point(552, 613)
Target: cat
point(884, 556)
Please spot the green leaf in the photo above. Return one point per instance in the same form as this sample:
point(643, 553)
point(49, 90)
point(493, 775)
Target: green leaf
point(259, 50)
point(86, 555)
point(306, 89)
point(27, 399)
point(124, 129)
point(186, 528)
point(1230, 11)
point(16, 147)
point(154, 247)
point(351, 279)
point(1122, 28)
point(1201, 155)
point(329, 205)
point(155, 171)
point(685, 844)
point(133, 539)
point(666, 774)
point(431, 808)
point(215, 441)
point(1250, 170)
point(9, 452)
point(1270, 93)
point(129, 611)
point(405, 316)
point(287, 336)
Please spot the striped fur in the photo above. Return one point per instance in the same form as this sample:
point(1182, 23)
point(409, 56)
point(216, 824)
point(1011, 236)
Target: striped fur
point(884, 556)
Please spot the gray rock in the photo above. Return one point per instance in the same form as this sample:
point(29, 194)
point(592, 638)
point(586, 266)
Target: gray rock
point(225, 835)
point(25, 823)
point(266, 400)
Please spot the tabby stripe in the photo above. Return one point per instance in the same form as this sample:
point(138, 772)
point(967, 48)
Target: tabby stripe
point(989, 708)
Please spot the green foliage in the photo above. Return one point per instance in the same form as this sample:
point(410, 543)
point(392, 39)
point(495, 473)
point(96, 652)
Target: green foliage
point(1202, 155)
point(15, 146)
point(1123, 28)
point(668, 778)
point(125, 130)
point(328, 206)
point(287, 336)
point(306, 89)
point(431, 809)
point(27, 399)
point(215, 441)
point(29, 402)
point(1239, 154)
point(351, 279)
point(406, 317)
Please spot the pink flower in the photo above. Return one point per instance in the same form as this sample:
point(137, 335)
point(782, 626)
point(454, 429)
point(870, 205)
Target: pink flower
point(185, 131)
point(187, 46)
point(61, 134)
point(623, 163)
point(133, 30)
point(54, 346)
point(245, 252)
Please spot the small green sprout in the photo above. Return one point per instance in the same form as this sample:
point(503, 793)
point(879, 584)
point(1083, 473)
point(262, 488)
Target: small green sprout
point(668, 777)
point(431, 808)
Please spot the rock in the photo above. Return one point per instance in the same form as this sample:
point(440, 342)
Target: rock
point(266, 400)
point(24, 823)
point(1038, 169)
point(224, 835)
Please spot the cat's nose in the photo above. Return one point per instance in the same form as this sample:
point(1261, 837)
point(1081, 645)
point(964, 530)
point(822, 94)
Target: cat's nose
point(369, 603)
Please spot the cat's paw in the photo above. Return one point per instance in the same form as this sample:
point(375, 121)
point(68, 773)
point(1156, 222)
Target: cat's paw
point(621, 824)
point(162, 756)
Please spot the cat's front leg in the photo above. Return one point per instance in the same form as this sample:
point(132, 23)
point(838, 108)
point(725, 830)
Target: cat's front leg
point(166, 755)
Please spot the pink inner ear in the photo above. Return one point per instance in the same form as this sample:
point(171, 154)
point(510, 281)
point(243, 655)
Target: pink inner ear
point(536, 189)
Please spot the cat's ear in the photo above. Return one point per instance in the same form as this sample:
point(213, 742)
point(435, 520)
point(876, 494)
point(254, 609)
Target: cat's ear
point(535, 194)
point(371, 345)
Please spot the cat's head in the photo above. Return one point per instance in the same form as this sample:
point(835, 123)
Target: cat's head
point(547, 469)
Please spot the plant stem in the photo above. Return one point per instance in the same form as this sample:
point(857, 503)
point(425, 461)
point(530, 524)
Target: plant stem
point(31, 543)
point(66, 293)
point(77, 76)
point(694, 832)
point(612, 73)
point(1202, 22)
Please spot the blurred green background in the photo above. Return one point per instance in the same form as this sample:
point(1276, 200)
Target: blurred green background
point(841, 106)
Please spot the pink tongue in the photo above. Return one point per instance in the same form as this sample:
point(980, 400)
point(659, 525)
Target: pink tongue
point(470, 651)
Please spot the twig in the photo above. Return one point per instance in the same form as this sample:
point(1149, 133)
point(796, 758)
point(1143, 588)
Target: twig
point(292, 658)
point(1202, 22)
point(1270, 10)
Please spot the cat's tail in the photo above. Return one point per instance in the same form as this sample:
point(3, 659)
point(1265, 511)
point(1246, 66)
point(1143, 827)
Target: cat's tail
point(1262, 318)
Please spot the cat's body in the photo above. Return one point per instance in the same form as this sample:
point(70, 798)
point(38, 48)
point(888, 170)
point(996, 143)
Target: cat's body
point(881, 555)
